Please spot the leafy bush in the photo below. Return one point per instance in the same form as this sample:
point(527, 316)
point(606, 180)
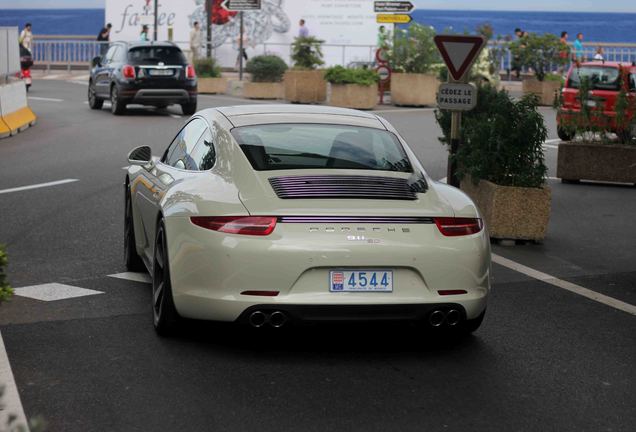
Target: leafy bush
point(538, 52)
point(341, 75)
point(266, 68)
point(5, 290)
point(307, 52)
point(501, 139)
point(414, 50)
point(207, 68)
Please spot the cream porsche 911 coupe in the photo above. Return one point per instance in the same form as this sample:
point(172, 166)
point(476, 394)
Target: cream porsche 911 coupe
point(273, 214)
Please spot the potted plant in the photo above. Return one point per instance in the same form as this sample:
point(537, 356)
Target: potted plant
point(304, 83)
point(209, 76)
point(501, 163)
point(412, 57)
point(605, 148)
point(5, 290)
point(267, 73)
point(352, 88)
point(540, 53)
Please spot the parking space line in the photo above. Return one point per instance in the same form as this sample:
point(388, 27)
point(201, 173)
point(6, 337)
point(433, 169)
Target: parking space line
point(568, 286)
point(37, 186)
point(11, 404)
point(136, 277)
point(53, 292)
point(37, 98)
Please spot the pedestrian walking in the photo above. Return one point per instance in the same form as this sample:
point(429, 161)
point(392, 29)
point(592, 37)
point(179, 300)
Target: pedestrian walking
point(195, 41)
point(143, 36)
point(303, 31)
point(516, 60)
point(564, 51)
point(26, 37)
point(579, 52)
point(103, 38)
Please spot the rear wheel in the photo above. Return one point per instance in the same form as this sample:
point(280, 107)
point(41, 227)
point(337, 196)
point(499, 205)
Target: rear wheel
point(93, 101)
point(165, 316)
point(189, 108)
point(117, 106)
point(564, 135)
point(131, 257)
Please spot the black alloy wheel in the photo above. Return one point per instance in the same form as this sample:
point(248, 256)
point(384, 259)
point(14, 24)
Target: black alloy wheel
point(131, 257)
point(189, 108)
point(93, 101)
point(165, 316)
point(117, 106)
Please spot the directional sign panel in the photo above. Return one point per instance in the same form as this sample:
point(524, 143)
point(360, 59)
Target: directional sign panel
point(459, 52)
point(393, 18)
point(457, 97)
point(393, 6)
point(241, 5)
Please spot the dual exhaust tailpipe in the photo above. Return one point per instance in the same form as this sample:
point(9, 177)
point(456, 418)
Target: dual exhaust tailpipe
point(276, 319)
point(439, 317)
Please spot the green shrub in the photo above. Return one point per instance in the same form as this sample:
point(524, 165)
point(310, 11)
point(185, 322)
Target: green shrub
point(501, 139)
point(266, 68)
point(207, 68)
point(538, 52)
point(414, 50)
point(5, 290)
point(307, 52)
point(341, 75)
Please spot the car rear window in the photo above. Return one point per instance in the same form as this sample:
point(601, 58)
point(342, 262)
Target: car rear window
point(152, 55)
point(601, 78)
point(307, 146)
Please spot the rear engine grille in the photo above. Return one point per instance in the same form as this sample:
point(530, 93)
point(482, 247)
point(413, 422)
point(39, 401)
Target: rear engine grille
point(396, 220)
point(354, 187)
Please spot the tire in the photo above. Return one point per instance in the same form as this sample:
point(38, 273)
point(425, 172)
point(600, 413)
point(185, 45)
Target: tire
point(93, 101)
point(165, 316)
point(117, 106)
point(470, 326)
point(564, 135)
point(131, 257)
point(189, 108)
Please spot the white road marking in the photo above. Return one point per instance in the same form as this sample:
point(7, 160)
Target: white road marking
point(53, 292)
point(78, 82)
point(552, 141)
point(11, 404)
point(403, 110)
point(37, 186)
point(550, 146)
point(82, 77)
point(137, 277)
point(175, 116)
point(125, 168)
point(51, 77)
point(45, 99)
point(568, 286)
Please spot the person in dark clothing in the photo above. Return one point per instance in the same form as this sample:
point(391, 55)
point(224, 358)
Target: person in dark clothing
point(516, 60)
point(103, 38)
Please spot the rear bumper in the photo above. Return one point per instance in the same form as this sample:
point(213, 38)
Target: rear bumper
point(150, 96)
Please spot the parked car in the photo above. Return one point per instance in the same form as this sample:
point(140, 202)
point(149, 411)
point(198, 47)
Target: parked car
point(147, 73)
point(606, 80)
point(269, 214)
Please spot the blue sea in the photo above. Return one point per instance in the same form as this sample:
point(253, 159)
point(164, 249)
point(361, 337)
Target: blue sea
point(596, 27)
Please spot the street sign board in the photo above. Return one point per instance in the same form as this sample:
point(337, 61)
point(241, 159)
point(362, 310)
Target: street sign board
point(393, 18)
point(241, 5)
point(393, 6)
point(384, 72)
point(456, 97)
point(459, 52)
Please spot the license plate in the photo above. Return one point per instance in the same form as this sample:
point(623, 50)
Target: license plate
point(591, 103)
point(361, 281)
point(160, 72)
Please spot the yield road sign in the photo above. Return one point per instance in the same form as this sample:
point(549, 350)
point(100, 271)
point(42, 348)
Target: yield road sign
point(457, 97)
point(393, 19)
point(393, 6)
point(241, 5)
point(459, 52)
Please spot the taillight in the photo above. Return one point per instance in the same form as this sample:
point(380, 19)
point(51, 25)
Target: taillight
point(453, 227)
point(190, 73)
point(128, 71)
point(247, 225)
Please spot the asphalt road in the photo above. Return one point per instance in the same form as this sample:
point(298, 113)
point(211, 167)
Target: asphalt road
point(544, 359)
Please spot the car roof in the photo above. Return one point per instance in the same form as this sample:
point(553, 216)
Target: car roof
point(601, 63)
point(245, 115)
point(138, 44)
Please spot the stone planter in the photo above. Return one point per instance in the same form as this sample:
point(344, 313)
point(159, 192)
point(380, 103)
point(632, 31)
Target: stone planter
point(511, 212)
point(263, 90)
point(354, 96)
point(212, 85)
point(305, 86)
point(414, 89)
point(546, 90)
point(600, 162)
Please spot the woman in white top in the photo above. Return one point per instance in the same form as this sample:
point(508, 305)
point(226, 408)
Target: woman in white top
point(26, 37)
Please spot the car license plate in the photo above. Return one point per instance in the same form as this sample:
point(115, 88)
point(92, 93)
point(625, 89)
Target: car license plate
point(361, 281)
point(591, 103)
point(160, 72)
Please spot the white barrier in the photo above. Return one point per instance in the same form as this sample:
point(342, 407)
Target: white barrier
point(15, 114)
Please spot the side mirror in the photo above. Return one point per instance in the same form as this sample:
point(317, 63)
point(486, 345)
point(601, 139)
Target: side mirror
point(141, 156)
point(97, 61)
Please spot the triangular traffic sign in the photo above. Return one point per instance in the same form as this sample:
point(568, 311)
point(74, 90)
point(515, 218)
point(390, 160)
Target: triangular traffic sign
point(459, 52)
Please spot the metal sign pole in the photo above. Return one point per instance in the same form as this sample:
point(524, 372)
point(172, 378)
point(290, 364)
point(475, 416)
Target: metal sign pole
point(455, 139)
point(241, 49)
point(156, 20)
point(208, 26)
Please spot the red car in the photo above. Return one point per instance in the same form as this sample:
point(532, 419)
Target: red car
point(606, 80)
